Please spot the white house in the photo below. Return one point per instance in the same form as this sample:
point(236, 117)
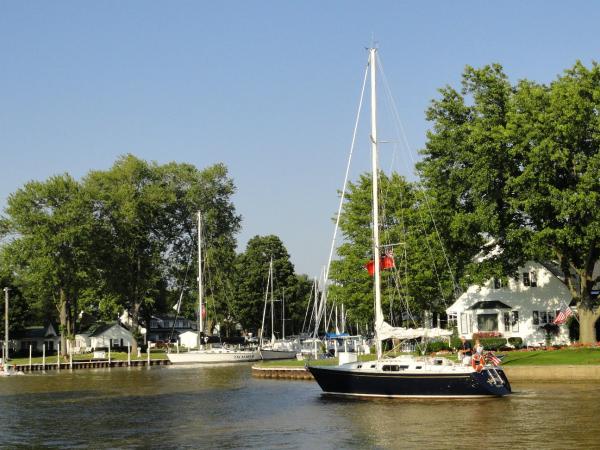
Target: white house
point(518, 309)
point(188, 339)
point(102, 335)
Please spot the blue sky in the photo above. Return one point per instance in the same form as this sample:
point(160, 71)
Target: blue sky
point(270, 88)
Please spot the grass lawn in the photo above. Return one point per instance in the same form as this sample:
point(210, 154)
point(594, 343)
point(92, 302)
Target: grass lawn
point(565, 356)
point(114, 356)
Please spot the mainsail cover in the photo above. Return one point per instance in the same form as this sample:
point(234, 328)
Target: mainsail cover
point(386, 331)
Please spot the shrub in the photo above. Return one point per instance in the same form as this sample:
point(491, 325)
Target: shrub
point(493, 343)
point(516, 342)
point(437, 346)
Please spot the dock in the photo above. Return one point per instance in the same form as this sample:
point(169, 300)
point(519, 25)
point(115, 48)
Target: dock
point(289, 373)
point(76, 365)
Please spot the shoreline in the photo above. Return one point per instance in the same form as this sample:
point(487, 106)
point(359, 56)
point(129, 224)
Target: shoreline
point(514, 373)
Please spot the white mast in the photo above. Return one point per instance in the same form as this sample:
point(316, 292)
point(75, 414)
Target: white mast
point(200, 294)
point(283, 313)
point(272, 305)
point(376, 256)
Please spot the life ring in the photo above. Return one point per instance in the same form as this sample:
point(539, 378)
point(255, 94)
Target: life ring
point(477, 362)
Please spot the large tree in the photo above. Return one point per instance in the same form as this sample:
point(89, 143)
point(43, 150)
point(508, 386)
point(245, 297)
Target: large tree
point(252, 269)
point(49, 228)
point(421, 279)
point(516, 167)
point(148, 214)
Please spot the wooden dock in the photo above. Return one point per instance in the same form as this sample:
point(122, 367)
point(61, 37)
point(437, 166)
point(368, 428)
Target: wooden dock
point(289, 373)
point(76, 365)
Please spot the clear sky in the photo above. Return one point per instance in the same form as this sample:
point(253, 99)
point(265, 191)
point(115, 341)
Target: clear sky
point(270, 88)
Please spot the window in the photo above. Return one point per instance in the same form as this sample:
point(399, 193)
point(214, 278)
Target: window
point(544, 317)
point(390, 368)
point(465, 323)
point(506, 321)
point(529, 279)
point(487, 322)
point(514, 321)
point(497, 283)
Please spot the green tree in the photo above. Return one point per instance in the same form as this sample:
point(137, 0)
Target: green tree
point(421, 280)
point(252, 269)
point(517, 167)
point(49, 228)
point(148, 215)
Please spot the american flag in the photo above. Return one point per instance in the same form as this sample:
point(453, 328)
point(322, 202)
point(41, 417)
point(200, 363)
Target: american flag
point(562, 316)
point(490, 357)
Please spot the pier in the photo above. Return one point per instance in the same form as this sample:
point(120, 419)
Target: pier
point(90, 365)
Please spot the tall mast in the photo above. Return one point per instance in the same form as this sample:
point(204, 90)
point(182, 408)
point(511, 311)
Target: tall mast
point(272, 304)
point(200, 293)
point(376, 255)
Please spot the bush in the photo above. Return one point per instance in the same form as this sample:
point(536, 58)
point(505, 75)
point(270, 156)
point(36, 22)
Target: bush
point(437, 346)
point(493, 343)
point(516, 342)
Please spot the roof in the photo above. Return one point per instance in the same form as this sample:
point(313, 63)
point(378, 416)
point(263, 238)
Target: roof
point(34, 332)
point(490, 304)
point(100, 327)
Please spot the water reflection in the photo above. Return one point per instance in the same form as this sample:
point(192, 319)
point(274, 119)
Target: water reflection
point(224, 407)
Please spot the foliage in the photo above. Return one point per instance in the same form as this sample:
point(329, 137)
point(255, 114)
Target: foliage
point(437, 346)
point(252, 269)
point(515, 168)
point(493, 343)
point(420, 280)
point(516, 342)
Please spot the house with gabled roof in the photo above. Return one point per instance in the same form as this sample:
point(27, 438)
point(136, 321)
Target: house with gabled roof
point(520, 307)
point(37, 337)
point(103, 335)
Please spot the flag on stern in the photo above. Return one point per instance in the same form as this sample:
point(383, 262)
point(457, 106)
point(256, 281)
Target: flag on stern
point(562, 316)
point(490, 357)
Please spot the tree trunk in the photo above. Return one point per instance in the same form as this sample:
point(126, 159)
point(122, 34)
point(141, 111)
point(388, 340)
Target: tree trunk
point(587, 322)
point(135, 322)
point(63, 315)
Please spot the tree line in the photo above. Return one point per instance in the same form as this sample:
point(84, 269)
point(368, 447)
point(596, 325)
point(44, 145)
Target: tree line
point(125, 239)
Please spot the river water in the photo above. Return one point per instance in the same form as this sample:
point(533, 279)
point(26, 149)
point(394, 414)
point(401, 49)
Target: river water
point(225, 407)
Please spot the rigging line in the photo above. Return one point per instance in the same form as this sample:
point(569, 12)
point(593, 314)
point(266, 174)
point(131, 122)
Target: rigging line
point(402, 135)
point(181, 295)
point(346, 176)
point(307, 308)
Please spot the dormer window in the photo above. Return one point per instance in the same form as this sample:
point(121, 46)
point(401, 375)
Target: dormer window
point(529, 279)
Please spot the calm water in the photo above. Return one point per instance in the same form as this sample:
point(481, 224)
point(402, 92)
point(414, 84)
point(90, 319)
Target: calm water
point(224, 407)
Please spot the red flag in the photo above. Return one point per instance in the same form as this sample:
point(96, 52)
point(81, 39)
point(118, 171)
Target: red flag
point(386, 262)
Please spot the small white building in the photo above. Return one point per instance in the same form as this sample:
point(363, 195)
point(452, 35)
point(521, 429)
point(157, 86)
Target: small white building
point(188, 339)
point(518, 309)
point(103, 335)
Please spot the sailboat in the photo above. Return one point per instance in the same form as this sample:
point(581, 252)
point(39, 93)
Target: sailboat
point(209, 353)
point(403, 376)
point(275, 348)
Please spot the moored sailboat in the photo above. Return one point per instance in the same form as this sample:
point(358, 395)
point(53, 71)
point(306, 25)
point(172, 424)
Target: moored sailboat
point(209, 353)
point(404, 376)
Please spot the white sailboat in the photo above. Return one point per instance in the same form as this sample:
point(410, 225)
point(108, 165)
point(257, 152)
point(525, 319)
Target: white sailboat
point(275, 348)
point(403, 376)
point(209, 353)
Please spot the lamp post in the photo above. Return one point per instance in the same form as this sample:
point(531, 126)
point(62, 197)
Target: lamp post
point(6, 289)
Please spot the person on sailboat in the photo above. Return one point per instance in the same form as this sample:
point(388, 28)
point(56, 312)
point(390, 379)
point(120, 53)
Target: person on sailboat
point(465, 351)
point(478, 347)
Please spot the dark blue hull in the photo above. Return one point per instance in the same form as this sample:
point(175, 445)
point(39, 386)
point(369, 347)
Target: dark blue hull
point(344, 382)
